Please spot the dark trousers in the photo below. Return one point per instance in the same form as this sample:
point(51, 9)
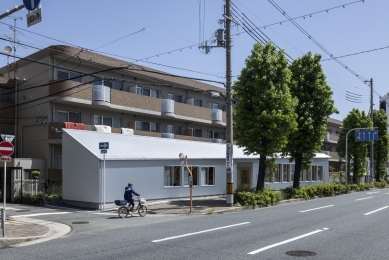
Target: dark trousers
point(131, 201)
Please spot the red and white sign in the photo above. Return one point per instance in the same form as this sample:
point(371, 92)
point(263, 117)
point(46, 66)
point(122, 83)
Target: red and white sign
point(6, 148)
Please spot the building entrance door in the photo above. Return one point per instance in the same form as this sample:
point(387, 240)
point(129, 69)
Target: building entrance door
point(244, 178)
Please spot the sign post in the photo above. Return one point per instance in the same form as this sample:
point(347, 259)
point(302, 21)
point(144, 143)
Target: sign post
point(103, 146)
point(31, 5)
point(6, 149)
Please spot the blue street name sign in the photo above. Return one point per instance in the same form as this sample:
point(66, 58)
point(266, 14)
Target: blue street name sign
point(104, 145)
point(31, 5)
point(366, 135)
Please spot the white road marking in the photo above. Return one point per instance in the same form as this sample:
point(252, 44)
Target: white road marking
point(9, 208)
point(372, 192)
point(286, 241)
point(195, 233)
point(374, 211)
point(317, 208)
point(156, 202)
point(41, 214)
point(365, 198)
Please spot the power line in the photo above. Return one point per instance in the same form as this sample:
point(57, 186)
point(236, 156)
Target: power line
point(357, 53)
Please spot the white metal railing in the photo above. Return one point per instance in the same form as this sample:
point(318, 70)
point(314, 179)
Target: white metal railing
point(101, 93)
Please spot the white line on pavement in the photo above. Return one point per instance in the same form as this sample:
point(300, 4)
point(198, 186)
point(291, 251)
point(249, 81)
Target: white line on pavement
point(365, 198)
point(372, 192)
point(317, 208)
point(40, 214)
point(9, 208)
point(286, 241)
point(204, 231)
point(374, 211)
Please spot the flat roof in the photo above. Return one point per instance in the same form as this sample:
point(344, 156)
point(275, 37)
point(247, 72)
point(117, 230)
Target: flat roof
point(136, 147)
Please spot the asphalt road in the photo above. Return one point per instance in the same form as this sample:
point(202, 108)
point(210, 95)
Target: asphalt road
point(352, 226)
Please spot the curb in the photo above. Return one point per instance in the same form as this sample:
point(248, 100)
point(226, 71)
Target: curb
point(56, 230)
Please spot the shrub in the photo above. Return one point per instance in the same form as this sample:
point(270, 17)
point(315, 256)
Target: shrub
point(312, 191)
point(35, 174)
point(300, 193)
point(355, 187)
point(381, 184)
point(54, 196)
point(252, 198)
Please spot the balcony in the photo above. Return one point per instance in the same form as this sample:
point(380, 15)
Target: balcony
point(126, 101)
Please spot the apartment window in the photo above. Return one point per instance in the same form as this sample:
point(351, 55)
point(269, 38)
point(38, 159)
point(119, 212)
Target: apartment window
point(107, 120)
point(267, 175)
point(292, 172)
point(207, 176)
point(173, 129)
point(67, 116)
point(175, 97)
point(216, 135)
point(197, 132)
point(212, 105)
point(147, 92)
point(27, 175)
point(308, 174)
point(198, 102)
point(172, 176)
point(337, 132)
point(274, 175)
point(110, 83)
point(64, 74)
point(58, 162)
point(195, 176)
point(146, 126)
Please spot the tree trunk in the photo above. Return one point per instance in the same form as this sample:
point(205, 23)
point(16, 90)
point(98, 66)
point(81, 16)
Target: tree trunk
point(355, 173)
point(297, 169)
point(261, 172)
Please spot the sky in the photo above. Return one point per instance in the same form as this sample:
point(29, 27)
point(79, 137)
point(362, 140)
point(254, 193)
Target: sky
point(165, 35)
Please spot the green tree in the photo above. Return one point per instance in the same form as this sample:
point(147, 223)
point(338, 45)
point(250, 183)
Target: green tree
point(315, 105)
point(264, 114)
point(357, 151)
point(381, 147)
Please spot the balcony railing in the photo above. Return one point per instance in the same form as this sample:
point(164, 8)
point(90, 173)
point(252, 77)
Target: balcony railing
point(101, 95)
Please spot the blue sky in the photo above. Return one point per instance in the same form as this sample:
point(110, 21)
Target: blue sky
point(174, 25)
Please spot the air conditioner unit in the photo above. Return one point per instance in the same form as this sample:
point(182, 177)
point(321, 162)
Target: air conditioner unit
point(167, 135)
point(127, 131)
point(102, 128)
point(217, 140)
point(167, 107)
point(217, 116)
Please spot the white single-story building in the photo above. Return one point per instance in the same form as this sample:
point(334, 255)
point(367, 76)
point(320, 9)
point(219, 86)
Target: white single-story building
point(152, 164)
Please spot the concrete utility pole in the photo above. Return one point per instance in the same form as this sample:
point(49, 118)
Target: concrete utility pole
point(372, 144)
point(230, 139)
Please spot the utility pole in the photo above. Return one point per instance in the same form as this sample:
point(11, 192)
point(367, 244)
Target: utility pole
point(371, 177)
point(230, 139)
point(16, 89)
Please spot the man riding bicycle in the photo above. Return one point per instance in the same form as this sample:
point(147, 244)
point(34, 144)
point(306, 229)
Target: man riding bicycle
point(128, 195)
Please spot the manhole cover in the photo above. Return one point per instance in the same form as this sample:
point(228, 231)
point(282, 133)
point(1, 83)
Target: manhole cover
point(80, 222)
point(300, 253)
point(22, 210)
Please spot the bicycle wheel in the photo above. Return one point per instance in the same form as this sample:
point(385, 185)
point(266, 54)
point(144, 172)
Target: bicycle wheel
point(142, 211)
point(122, 212)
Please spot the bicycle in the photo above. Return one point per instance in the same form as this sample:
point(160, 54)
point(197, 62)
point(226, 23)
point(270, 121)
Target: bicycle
point(124, 211)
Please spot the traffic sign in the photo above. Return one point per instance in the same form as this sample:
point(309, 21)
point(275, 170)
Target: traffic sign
point(6, 148)
point(228, 155)
point(5, 159)
point(34, 17)
point(7, 138)
point(104, 145)
point(31, 5)
point(103, 151)
point(366, 135)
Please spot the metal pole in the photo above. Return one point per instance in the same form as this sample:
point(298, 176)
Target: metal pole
point(190, 184)
point(4, 196)
point(345, 175)
point(104, 183)
point(372, 143)
point(16, 90)
point(229, 171)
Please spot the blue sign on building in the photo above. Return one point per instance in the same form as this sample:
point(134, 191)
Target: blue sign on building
point(104, 145)
point(31, 5)
point(366, 135)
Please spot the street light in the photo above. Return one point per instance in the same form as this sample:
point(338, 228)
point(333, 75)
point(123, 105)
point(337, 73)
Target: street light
point(184, 160)
point(347, 146)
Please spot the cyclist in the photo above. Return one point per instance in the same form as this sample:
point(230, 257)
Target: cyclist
point(128, 195)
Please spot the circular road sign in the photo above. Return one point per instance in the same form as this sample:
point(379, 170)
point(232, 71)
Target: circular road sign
point(6, 148)
point(31, 5)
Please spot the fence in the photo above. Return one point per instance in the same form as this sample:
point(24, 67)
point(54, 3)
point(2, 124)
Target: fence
point(26, 189)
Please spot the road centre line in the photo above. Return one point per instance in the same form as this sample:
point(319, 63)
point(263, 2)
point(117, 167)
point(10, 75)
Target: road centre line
point(365, 198)
point(40, 214)
point(374, 211)
point(286, 241)
point(317, 208)
point(372, 192)
point(199, 232)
